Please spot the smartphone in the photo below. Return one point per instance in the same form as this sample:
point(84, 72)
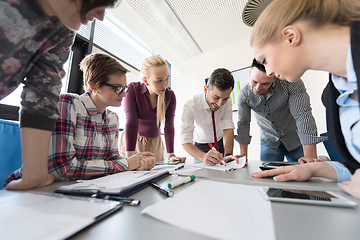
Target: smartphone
point(273, 165)
point(326, 198)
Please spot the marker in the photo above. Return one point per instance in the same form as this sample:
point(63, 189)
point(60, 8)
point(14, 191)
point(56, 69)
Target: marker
point(212, 147)
point(130, 201)
point(163, 191)
point(181, 181)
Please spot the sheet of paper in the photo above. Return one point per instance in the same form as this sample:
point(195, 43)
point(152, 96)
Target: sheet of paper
point(168, 167)
point(230, 166)
point(218, 210)
point(116, 182)
point(38, 216)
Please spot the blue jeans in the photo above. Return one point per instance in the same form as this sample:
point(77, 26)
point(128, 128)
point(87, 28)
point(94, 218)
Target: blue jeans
point(270, 154)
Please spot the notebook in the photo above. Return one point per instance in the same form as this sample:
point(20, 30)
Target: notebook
point(119, 184)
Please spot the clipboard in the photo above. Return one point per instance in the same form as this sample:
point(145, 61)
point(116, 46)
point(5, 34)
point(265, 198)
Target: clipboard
point(122, 184)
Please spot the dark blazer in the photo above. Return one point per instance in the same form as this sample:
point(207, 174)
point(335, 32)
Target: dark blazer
point(329, 97)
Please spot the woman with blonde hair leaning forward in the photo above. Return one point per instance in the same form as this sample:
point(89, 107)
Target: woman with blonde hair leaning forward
point(84, 143)
point(148, 105)
point(293, 36)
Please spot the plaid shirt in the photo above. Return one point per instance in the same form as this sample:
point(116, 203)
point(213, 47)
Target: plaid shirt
point(84, 143)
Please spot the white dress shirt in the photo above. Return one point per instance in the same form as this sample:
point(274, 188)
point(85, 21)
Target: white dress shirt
point(196, 121)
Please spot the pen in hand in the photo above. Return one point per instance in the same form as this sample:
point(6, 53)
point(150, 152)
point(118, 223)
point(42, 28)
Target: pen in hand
point(162, 190)
point(212, 147)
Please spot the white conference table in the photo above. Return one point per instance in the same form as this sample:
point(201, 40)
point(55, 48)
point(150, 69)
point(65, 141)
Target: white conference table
point(292, 221)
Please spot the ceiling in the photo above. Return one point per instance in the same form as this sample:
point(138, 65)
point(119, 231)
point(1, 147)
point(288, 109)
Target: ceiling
point(212, 24)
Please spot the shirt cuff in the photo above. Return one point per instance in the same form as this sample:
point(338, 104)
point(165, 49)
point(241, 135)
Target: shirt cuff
point(342, 172)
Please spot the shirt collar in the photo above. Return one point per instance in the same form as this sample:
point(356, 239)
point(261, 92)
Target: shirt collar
point(143, 88)
point(349, 84)
point(89, 104)
point(204, 104)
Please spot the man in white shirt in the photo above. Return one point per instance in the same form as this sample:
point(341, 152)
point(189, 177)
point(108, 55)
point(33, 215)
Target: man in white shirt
point(197, 128)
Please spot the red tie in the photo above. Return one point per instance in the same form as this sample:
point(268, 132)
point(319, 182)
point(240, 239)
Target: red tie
point(214, 129)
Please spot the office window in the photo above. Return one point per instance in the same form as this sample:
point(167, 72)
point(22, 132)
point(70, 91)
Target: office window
point(110, 36)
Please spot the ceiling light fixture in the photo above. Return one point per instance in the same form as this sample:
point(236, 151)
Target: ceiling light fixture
point(165, 16)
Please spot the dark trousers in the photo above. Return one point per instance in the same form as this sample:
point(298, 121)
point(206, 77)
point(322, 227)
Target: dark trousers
point(205, 147)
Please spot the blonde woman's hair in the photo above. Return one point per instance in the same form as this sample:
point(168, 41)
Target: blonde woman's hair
point(281, 13)
point(148, 63)
point(97, 67)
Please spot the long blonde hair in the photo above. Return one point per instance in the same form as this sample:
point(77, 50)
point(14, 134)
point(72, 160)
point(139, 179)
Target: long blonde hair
point(149, 62)
point(281, 13)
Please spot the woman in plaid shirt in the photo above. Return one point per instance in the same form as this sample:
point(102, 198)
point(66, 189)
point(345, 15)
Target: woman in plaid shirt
point(84, 143)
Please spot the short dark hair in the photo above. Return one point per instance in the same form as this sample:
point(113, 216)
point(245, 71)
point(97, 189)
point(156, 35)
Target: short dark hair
point(89, 5)
point(97, 67)
point(221, 78)
point(259, 66)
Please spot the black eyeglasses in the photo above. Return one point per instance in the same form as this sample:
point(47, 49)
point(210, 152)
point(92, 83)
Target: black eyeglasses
point(117, 89)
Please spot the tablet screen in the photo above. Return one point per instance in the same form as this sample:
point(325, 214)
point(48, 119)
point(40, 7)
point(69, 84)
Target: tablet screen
point(306, 197)
point(299, 194)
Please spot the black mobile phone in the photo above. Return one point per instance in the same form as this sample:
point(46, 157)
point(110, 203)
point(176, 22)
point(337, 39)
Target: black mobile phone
point(273, 165)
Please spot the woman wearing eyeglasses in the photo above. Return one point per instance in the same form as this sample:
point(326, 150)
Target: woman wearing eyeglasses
point(84, 143)
point(148, 105)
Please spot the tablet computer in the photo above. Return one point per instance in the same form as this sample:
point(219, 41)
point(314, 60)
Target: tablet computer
point(272, 165)
point(306, 197)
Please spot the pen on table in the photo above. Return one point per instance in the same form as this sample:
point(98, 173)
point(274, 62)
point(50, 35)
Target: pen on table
point(181, 181)
point(130, 201)
point(212, 147)
point(163, 191)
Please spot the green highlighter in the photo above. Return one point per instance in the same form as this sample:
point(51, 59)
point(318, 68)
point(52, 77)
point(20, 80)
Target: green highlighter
point(181, 181)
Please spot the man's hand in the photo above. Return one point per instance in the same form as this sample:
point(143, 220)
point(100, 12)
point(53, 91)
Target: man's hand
point(212, 157)
point(309, 160)
point(287, 173)
point(236, 158)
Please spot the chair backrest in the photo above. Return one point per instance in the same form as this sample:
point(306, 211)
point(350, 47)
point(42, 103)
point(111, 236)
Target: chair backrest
point(10, 149)
point(334, 156)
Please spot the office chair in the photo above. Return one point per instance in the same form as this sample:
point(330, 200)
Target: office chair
point(10, 149)
point(334, 156)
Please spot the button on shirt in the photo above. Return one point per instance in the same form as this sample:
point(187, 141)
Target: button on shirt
point(196, 121)
point(284, 116)
point(349, 114)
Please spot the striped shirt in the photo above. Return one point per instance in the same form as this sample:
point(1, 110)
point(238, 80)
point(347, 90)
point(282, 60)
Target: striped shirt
point(84, 143)
point(283, 117)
